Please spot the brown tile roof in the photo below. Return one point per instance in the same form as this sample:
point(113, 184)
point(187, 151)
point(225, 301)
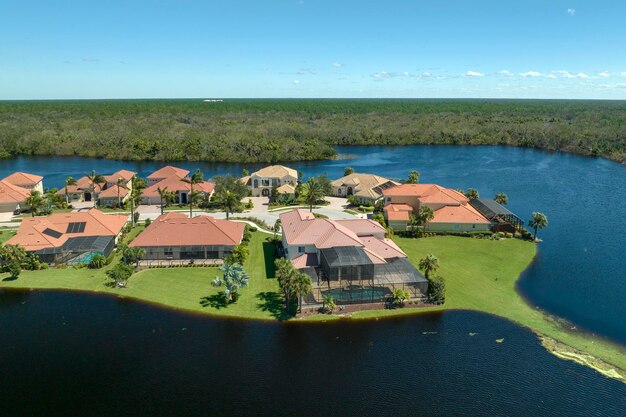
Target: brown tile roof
point(286, 189)
point(276, 171)
point(22, 179)
point(176, 229)
point(365, 185)
point(31, 236)
point(175, 184)
point(168, 171)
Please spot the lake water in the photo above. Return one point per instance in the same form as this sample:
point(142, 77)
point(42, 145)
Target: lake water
point(580, 270)
point(88, 355)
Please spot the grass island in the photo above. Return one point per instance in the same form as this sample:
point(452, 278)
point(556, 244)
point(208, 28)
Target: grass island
point(480, 275)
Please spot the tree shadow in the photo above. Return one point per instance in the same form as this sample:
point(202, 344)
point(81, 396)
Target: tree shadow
point(8, 279)
point(269, 254)
point(216, 301)
point(273, 303)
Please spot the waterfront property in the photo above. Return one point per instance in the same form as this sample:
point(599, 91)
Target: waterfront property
point(350, 260)
point(105, 193)
point(69, 237)
point(367, 187)
point(261, 182)
point(452, 211)
point(174, 238)
point(15, 189)
point(172, 179)
point(501, 218)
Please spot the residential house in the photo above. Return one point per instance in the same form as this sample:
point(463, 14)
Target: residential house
point(15, 189)
point(452, 211)
point(172, 178)
point(26, 180)
point(350, 260)
point(286, 193)
point(262, 181)
point(70, 237)
point(367, 187)
point(114, 196)
point(84, 190)
point(175, 237)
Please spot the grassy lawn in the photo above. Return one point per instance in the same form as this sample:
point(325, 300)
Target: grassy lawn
point(480, 275)
point(186, 288)
point(6, 234)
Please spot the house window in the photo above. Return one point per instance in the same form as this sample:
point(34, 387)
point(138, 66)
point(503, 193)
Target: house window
point(473, 226)
point(256, 183)
point(389, 199)
point(300, 249)
point(265, 183)
point(168, 252)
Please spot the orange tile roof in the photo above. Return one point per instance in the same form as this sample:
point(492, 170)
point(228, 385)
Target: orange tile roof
point(399, 215)
point(112, 192)
point(31, 237)
point(10, 193)
point(302, 228)
point(305, 260)
point(82, 184)
point(458, 214)
point(176, 229)
point(23, 178)
point(169, 171)
point(122, 173)
point(175, 184)
point(362, 227)
point(427, 193)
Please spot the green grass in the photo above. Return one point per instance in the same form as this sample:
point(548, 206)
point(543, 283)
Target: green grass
point(480, 275)
point(185, 288)
point(6, 234)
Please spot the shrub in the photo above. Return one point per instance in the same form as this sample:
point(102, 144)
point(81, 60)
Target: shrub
point(148, 222)
point(437, 290)
point(98, 261)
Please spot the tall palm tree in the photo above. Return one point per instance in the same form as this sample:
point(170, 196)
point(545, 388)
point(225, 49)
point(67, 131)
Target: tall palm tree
point(120, 182)
point(163, 195)
point(429, 264)
point(68, 181)
point(501, 198)
point(196, 178)
point(276, 228)
point(34, 201)
point(302, 287)
point(312, 192)
point(538, 221)
point(414, 177)
point(227, 201)
point(95, 179)
point(472, 194)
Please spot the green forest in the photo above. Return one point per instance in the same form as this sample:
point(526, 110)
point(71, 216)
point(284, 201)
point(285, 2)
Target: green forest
point(272, 130)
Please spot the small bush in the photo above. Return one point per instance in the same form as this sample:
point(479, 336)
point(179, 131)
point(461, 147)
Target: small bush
point(148, 222)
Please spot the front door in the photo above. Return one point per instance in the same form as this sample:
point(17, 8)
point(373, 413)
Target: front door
point(87, 196)
point(183, 198)
point(265, 192)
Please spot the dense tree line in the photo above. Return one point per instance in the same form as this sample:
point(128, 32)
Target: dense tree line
point(289, 130)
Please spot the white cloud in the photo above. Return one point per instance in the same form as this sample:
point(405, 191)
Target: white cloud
point(565, 74)
point(551, 76)
point(571, 12)
point(582, 75)
point(337, 64)
point(406, 74)
point(531, 74)
point(296, 81)
point(474, 74)
point(426, 74)
point(505, 72)
point(381, 74)
point(604, 74)
point(623, 74)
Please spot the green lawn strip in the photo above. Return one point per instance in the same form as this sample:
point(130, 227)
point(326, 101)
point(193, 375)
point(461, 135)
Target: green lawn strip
point(471, 266)
point(6, 234)
point(185, 288)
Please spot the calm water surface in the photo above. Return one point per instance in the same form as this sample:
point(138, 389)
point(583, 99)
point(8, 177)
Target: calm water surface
point(85, 355)
point(580, 271)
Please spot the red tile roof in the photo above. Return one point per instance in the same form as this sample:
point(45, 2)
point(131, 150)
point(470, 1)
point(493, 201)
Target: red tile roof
point(176, 184)
point(168, 171)
point(464, 213)
point(176, 229)
point(122, 173)
point(31, 237)
point(23, 179)
point(10, 193)
point(112, 192)
point(427, 193)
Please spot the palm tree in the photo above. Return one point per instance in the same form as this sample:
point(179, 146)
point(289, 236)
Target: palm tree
point(472, 194)
point(68, 181)
point(302, 287)
point(312, 192)
point(163, 195)
point(95, 179)
point(120, 182)
point(34, 201)
point(276, 227)
point(501, 198)
point(538, 221)
point(227, 201)
point(400, 296)
point(414, 177)
point(328, 304)
point(429, 264)
point(348, 171)
point(424, 215)
point(196, 178)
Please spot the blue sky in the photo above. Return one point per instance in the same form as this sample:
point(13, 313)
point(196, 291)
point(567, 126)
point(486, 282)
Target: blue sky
point(312, 48)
